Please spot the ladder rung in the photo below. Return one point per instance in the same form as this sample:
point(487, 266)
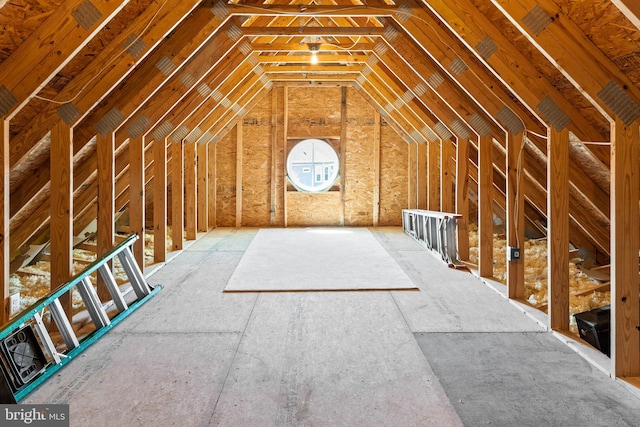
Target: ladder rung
point(93, 303)
point(60, 317)
point(136, 278)
point(112, 287)
point(47, 343)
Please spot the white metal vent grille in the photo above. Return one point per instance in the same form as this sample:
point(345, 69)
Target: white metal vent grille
point(435, 80)
point(458, 66)
point(403, 13)
point(537, 20)
point(478, 124)
point(220, 10)
point(420, 89)
point(109, 122)
point(139, 126)
point(390, 33)
point(165, 65)
point(86, 14)
point(134, 46)
point(234, 33)
point(204, 90)
point(429, 134)
point(163, 130)
point(180, 133)
point(194, 135)
point(442, 131)
point(553, 114)
point(68, 112)
point(187, 80)
point(7, 100)
point(461, 130)
point(620, 102)
point(486, 47)
point(510, 121)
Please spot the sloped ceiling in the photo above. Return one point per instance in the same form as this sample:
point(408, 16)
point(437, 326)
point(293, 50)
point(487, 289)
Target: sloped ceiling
point(435, 70)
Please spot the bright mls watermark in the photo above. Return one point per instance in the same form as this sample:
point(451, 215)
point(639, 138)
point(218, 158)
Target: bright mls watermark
point(34, 415)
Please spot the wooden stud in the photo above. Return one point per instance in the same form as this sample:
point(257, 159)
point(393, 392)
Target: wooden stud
point(157, 25)
point(412, 173)
point(177, 195)
point(159, 200)
point(239, 174)
point(462, 196)
point(515, 213)
point(447, 175)
point(343, 153)
point(51, 46)
point(5, 259)
point(191, 193)
point(422, 176)
point(61, 203)
point(274, 155)
point(285, 152)
point(572, 52)
point(203, 187)
point(433, 174)
point(558, 228)
point(137, 196)
point(625, 219)
point(213, 190)
point(485, 206)
point(105, 148)
point(376, 168)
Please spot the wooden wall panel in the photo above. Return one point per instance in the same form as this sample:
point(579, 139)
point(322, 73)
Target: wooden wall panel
point(306, 119)
point(278, 129)
point(226, 181)
point(313, 209)
point(359, 183)
point(314, 113)
point(393, 176)
point(256, 165)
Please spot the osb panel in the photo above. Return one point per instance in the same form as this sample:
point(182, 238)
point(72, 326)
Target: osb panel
point(81, 60)
point(226, 180)
point(314, 113)
point(546, 69)
point(20, 18)
point(359, 162)
point(609, 30)
point(256, 165)
point(280, 159)
point(313, 209)
point(393, 176)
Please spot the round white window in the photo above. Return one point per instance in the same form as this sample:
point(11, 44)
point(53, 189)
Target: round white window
point(312, 166)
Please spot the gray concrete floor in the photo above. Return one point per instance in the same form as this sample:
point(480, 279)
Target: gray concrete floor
point(454, 353)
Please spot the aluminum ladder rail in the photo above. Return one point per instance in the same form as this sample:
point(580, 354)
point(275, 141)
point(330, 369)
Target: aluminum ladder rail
point(434, 230)
point(96, 309)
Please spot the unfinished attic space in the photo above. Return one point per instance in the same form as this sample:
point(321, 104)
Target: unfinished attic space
point(329, 212)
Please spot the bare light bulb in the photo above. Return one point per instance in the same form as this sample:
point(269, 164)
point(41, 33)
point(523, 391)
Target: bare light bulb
point(314, 58)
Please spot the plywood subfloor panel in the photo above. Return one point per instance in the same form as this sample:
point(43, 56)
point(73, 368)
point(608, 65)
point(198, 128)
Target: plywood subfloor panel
point(143, 380)
point(525, 379)
point(330, 359)
point(449, 300)
point(306, 259)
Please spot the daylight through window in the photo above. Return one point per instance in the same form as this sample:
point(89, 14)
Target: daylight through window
point(312, 166)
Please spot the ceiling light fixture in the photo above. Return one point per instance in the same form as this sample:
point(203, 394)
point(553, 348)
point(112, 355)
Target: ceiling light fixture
point(314, 48)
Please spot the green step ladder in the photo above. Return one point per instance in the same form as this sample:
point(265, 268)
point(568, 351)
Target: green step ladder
point(28, 354)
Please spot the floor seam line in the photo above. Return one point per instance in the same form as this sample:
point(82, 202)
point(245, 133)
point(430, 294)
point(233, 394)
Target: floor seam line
point(233, 359)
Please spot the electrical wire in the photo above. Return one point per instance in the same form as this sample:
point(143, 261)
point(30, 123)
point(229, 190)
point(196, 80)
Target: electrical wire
point(113, 58)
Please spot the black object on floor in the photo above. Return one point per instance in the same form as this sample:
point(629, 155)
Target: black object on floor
point(594, 327)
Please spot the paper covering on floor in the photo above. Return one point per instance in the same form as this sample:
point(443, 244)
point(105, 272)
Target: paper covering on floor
point(317, 259)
